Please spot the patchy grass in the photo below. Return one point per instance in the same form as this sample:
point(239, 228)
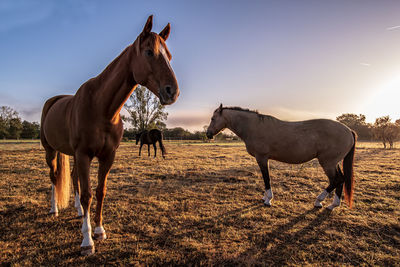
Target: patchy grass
point(202, 206)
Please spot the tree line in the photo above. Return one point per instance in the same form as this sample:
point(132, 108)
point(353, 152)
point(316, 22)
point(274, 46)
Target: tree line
point(146, 112)
point(12, 126)
point(383, 129)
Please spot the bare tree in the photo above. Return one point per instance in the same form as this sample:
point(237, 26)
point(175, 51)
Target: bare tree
point(386, 131)
point(145, 110)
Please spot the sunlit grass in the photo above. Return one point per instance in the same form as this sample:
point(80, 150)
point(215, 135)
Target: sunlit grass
point(201, 206)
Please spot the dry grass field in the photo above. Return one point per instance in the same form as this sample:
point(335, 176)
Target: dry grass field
point(202, 206)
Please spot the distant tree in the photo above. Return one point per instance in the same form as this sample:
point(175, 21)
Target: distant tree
point(177, 133)
point(30, 130)
point(393, 133)
point(358, 124)
point(145, 110)
point(10, 123)
point(386, 131)
point(15, 128)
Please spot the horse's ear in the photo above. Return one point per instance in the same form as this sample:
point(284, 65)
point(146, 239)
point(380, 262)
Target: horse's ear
point(149, 25)
point(220, 108)
point(165, 32)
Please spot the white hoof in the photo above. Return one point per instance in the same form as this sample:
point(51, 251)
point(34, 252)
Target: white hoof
point(267, 202)
point(335, 203)
point(53, 213)
point(267, 198)
point(99, 233)
point(317, 204)
point(88, 250)
point(332, 206)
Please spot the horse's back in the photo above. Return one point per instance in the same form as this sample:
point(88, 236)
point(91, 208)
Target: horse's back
point(155, 134)
point(301, 141)
point(332, 139)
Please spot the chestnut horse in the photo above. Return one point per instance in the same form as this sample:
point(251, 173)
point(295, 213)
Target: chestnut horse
point(267, 138)
point(151, 138)
point(88, 124)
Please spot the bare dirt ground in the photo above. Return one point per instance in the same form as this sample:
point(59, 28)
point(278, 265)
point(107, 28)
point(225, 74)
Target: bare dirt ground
point(202, 206)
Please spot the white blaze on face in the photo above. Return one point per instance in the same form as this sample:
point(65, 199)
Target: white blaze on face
point(164, 54)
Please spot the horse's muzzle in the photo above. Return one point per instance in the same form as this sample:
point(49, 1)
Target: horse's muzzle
point(168, 94)
point(209, 135)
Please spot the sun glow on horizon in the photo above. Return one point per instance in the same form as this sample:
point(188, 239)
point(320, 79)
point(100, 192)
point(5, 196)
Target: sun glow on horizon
point(385, 101)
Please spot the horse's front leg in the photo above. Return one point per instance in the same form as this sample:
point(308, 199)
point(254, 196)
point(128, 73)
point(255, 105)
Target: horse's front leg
point(148, 150)
point(75, 181)
point(263, 164)
point(104, 168)
point(82, 165)
point(155, 150)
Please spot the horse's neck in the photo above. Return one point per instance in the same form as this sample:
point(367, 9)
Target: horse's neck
point(239, 122)
point(114, 85)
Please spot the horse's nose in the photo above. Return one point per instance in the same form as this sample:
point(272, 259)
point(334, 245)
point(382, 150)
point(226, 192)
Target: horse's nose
point(171, 93)
point(209, 135)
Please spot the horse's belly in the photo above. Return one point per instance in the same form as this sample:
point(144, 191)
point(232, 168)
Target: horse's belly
point(294, 156)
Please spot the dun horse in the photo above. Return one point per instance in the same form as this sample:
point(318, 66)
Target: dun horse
point(267, 138)
point(150, 138)
point(88, 124)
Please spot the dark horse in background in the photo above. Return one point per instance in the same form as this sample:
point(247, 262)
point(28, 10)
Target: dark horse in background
point(151, 137)
point(88, 124)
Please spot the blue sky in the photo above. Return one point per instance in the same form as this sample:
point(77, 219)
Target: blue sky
point(291, 59)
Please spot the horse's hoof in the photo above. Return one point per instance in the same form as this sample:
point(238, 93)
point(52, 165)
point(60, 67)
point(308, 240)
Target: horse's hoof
point(86, 251)
point(331, 207)
point(53, 214)
point(317, 205)
point(100, 236)
point(267, 204)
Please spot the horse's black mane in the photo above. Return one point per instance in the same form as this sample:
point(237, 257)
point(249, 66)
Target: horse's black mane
point(261, 116)
point(242, 109)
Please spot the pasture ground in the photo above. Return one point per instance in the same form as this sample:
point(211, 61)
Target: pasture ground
point(202, 206)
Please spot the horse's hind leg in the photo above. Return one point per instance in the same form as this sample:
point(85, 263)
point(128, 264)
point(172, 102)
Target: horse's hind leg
point(263, 164)
point(339, 180)
point(51, 159)
point(75, 181)
point(155, 150)
point(335, 181)
point(148, 150)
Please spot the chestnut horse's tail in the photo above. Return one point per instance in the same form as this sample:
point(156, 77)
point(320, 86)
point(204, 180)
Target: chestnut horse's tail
point(348, 173)
point(63, 180)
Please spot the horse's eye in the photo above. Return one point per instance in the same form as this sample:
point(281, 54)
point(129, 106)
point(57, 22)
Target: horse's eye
point(149, 53)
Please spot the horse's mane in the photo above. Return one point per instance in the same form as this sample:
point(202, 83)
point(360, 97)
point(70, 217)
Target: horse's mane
point(260, 116)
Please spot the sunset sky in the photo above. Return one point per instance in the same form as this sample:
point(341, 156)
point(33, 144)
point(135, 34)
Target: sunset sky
point(292, 59)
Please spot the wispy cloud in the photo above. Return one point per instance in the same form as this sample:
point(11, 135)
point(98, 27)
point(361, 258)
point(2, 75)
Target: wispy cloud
point(365, 64)
point(393, 28)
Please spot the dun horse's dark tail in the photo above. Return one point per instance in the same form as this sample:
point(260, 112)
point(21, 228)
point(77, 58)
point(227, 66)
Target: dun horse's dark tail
point(162, 147)
point(348, 173)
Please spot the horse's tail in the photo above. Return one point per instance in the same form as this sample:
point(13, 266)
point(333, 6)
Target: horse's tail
point(348, 173)
point(162, 147)
point(63, 180)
